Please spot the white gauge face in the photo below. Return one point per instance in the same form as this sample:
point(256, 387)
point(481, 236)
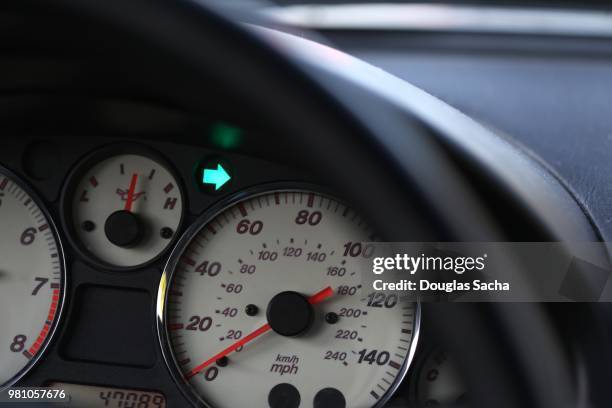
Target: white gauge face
point(31, 280)
point(265, 308)
point(126, 210)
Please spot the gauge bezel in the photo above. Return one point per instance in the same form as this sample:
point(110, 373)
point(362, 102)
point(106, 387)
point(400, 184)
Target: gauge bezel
point(187, 237)
point(84, 165)
point(33, 195)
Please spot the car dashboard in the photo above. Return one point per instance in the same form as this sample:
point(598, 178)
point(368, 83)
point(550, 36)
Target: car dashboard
point(161, 249)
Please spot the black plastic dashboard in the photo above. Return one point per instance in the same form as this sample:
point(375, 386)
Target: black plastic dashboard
point(548, 93)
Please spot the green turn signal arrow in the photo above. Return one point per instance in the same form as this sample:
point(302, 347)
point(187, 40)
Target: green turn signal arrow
point(219, 177)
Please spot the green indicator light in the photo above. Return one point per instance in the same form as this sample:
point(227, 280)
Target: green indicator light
point(217, 177)
point(225, 136)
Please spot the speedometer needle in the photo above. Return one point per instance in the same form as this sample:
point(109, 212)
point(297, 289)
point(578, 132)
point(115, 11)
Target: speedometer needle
point(313, 300)
point(130, 194)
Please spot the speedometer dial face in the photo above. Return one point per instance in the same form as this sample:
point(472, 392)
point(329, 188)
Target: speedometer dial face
point(262, 305)
point(31, 279)
point(125, 209)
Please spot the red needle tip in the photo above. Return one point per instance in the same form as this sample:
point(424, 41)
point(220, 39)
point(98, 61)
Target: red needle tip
point(130, 195)
point(321, 296)
point(313, 300)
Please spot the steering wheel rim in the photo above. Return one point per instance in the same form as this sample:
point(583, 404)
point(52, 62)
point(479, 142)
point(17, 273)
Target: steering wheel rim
point(320, 122)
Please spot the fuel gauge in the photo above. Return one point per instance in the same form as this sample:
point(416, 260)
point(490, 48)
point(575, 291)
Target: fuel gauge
point(124, 209)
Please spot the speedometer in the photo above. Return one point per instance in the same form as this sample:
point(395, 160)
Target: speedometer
point(261, 305)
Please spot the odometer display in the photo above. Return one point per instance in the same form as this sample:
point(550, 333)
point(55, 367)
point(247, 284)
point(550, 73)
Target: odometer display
point(31, 279)
point(262, 305)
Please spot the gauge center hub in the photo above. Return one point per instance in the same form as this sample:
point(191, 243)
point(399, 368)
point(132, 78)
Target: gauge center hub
point(123, 229)
point(289, 314)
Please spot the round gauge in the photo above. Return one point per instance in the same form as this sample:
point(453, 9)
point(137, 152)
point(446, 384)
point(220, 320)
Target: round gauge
point(125, 209)
point(261, 304)
point(438, 382)
point(31, 279)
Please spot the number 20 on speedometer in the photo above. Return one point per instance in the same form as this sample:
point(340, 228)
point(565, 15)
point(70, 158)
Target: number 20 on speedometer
point(261, 305)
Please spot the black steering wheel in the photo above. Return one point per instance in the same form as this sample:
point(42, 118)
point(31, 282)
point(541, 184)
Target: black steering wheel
point(183, 54)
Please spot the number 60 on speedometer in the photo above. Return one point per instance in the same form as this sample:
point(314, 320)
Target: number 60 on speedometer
point(261, 305)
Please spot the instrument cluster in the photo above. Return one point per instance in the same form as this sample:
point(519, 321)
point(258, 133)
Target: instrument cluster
point(153, 273)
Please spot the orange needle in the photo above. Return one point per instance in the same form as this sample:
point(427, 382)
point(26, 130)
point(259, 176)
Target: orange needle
point(313, 300)
point(130, 195)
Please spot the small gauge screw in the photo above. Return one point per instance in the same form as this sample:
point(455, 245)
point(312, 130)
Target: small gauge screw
point(332, 318)
point(222, 362)
point(166, 233)
point(251, 310)
point(88, 226)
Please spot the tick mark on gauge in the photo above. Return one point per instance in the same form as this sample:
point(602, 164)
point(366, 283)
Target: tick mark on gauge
point(222, 362)
point(168, 188)
point(189, 261)
point(310, 199)
point(395, 365)
point(243, 210)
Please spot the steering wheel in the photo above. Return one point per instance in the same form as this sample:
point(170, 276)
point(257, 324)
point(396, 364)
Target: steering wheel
point(378, 157)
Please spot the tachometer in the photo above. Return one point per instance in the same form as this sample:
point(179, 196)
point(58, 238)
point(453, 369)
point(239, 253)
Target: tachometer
point(31, 279)
point(262, 305)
